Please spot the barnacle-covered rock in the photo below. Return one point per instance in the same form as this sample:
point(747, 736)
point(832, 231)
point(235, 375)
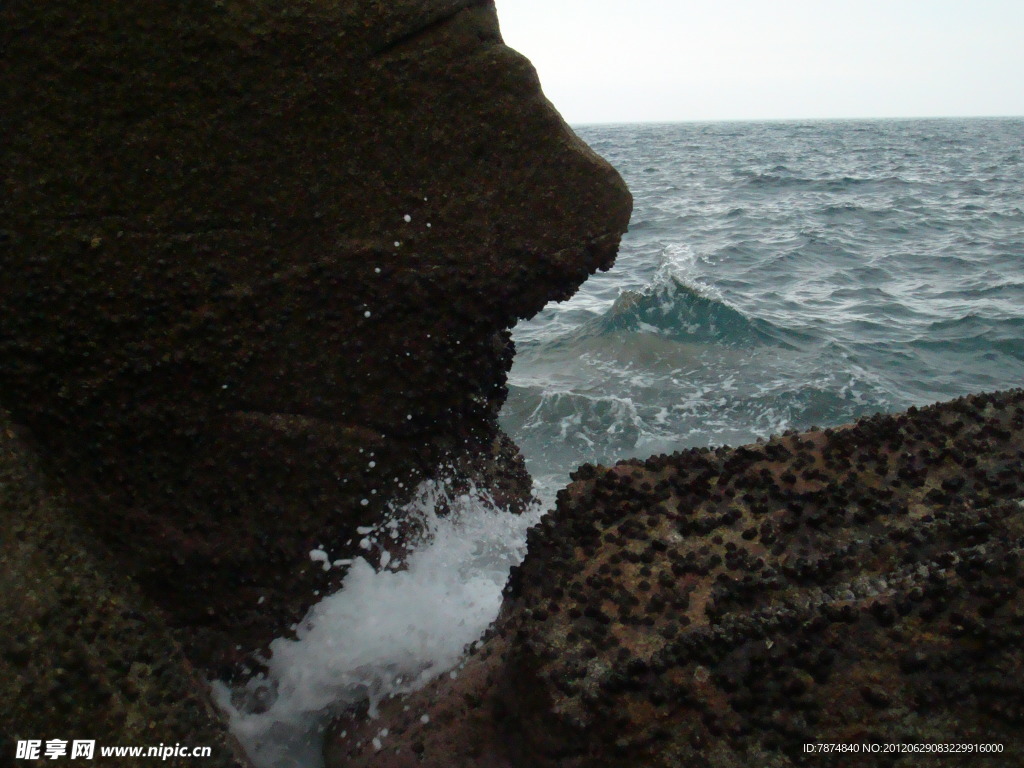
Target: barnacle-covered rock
point(861, 585)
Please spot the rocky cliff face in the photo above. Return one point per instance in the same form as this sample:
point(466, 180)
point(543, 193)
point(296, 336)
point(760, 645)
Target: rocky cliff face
point(862, 585)
point(259, 263)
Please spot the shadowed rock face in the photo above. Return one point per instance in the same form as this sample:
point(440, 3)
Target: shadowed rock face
point(249, 248)
point(724, 608)
point(81, 657)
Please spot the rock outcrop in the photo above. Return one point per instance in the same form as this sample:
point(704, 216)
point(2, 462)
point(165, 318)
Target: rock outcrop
point(259, 263)
point(859, 586)
point(82, 655)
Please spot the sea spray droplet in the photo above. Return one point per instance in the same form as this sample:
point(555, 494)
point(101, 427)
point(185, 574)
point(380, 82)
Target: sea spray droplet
point(319, 556)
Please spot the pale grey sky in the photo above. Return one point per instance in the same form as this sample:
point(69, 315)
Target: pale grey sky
point(666, 60)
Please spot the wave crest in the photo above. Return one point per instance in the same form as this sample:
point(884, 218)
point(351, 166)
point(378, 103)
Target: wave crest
point(670, 307)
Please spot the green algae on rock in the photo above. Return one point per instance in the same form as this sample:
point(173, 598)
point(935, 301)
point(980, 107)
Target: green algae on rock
point(860, 585)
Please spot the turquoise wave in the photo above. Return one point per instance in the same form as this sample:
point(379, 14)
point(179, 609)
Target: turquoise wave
point(671, 308)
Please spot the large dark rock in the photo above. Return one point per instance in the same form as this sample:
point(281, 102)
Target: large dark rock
point(259, 260)
point(82, 655)
point(855, 586)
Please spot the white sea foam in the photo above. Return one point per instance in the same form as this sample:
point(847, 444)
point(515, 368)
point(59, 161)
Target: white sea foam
point(387, 630)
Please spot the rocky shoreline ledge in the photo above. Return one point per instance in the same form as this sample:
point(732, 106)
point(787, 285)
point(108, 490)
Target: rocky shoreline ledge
point(722, 608)
point(260, 264)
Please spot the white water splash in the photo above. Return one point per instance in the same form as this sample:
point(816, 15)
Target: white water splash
point(385, 631)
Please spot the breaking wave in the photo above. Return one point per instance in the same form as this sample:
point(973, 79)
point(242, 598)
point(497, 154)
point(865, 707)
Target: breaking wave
point(391, 628)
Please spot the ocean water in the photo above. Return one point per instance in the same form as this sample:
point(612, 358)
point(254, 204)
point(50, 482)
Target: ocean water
point(780, 275)
point(775, 276)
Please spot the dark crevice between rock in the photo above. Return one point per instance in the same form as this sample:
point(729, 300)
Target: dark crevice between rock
point(431, 26)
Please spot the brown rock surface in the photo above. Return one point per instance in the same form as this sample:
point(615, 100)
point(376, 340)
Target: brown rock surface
point(861, 585)
point(249, 248)
point(82, 655)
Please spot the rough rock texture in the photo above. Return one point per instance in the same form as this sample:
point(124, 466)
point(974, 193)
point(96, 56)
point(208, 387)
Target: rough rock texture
point(258, 262)
point(81, 654)
point(723, 608)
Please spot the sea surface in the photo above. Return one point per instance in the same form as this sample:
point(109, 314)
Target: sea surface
point(775, 276)
point(780, 275)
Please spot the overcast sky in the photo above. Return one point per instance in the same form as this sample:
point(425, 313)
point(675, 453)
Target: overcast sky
point(667, 60)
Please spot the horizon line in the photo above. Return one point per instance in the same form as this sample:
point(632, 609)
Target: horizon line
point(681, 121)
